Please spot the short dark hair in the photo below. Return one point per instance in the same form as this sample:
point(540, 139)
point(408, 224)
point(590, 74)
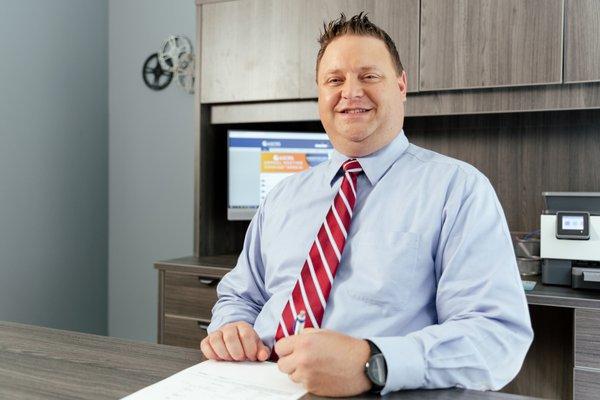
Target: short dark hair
point(356, 25)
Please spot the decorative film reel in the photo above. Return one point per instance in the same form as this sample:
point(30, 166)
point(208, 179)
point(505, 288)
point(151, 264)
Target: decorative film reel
point(155, 77)
point(172, 50)
point(185, 72)
point(175, 57)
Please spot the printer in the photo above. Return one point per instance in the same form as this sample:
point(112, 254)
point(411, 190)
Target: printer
point(570, 239)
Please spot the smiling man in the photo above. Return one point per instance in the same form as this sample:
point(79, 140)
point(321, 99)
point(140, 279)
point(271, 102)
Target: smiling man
point(400, 257)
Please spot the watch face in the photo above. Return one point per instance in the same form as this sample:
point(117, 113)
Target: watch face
point(377, 370)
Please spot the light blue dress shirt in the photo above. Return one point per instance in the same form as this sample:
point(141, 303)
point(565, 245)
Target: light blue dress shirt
point(428, 272)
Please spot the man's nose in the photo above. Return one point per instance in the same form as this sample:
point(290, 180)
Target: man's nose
point(352, 88)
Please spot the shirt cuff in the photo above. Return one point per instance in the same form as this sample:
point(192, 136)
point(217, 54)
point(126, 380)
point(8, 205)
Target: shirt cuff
point(405, 362)
point(218, 321)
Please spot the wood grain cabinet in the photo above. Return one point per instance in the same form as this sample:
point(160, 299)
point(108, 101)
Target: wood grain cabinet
point(250, 50)
point(586, 384)
point(189, 295)
point(586, 372)
point(256, 50)
point(186, 303)
point(587, 339)
point(187, 291)
point(490, 43)
point(582, 44)
point(265, 50)
point(184, 332)
point(399, 18)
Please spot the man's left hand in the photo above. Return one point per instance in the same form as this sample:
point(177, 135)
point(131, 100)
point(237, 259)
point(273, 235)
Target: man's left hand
point(327, 363)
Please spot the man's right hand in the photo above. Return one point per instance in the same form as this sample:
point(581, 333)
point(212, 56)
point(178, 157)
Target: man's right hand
point(236, 341)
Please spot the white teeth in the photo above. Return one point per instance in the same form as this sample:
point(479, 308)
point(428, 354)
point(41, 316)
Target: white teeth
point(355, 111)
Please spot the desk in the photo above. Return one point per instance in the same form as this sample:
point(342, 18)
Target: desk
point(42, 363)
point(562, 296)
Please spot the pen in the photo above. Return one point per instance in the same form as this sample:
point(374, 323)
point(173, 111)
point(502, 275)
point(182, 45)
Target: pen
point(299, 325)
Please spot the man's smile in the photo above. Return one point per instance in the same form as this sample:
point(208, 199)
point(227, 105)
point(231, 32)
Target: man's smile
point(354, 112)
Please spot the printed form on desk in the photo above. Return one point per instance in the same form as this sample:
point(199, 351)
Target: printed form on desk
point(224, 380)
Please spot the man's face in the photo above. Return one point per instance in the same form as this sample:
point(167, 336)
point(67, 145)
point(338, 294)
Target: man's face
point(361, 100)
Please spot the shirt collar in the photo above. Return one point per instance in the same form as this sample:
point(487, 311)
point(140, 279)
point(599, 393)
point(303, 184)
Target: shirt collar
point(375, 164)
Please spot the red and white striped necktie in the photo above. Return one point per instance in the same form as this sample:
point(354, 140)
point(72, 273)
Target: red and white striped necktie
point(312, 288)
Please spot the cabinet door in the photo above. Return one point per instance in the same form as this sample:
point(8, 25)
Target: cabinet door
point(184, 332)
point(190, 296)
point(586, 384)
point(488, 43)
point(250, 50)
point(399, 18)
point(587, 340)
point(582, 47)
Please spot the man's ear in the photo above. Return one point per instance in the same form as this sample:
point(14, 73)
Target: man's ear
point(402, 84)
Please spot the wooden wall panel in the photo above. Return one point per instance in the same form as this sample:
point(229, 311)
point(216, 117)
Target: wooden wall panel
point(522, 154)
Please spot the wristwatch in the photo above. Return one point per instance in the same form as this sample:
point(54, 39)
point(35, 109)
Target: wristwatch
point(376, 368)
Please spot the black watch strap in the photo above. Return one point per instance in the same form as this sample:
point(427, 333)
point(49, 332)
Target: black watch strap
point(375, 353)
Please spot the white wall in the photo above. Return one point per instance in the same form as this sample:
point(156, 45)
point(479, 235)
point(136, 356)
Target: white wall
point(53, 163)
point(150, 163)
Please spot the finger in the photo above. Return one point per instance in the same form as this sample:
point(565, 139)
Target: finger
point(232, 342)
point(218, 345)
point(285, 346)
point(263, 351)
point(207, 350)
point(249, 340)
point(296, 377)
point(287, 365)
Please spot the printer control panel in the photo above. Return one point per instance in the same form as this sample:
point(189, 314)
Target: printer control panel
point(573, 225)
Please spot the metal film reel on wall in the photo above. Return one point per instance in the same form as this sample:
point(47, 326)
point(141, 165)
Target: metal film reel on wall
point(172, 50)
point(185, 72)
point(155, 77)
point(175, 57)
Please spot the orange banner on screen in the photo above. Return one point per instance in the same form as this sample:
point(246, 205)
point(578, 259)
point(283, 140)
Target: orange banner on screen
point(282, 162)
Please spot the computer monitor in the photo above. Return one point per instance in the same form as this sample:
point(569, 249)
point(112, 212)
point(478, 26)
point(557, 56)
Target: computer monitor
point(258, 160)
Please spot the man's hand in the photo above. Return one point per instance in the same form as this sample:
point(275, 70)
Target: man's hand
point(326, 362)
point(237, 341)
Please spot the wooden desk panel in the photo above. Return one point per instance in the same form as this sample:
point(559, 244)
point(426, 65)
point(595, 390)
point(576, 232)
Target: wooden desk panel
point(41, 363)
point(562, 296)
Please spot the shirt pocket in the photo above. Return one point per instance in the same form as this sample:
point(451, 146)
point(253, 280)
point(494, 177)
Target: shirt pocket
point(383, 268)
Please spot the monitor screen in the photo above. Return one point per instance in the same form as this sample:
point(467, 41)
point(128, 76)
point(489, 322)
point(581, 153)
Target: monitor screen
point(257, 161)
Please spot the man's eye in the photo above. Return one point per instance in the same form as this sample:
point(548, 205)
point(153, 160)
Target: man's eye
point(333, 80)
point(371, 77)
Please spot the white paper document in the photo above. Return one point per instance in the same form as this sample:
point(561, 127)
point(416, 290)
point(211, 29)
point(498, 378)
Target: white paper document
point(224, 380)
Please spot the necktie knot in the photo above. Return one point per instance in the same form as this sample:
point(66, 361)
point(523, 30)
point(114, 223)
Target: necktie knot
point(352, 166)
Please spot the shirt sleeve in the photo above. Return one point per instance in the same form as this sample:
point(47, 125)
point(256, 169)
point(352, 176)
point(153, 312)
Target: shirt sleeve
point(483, 330)
point(242, 292)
